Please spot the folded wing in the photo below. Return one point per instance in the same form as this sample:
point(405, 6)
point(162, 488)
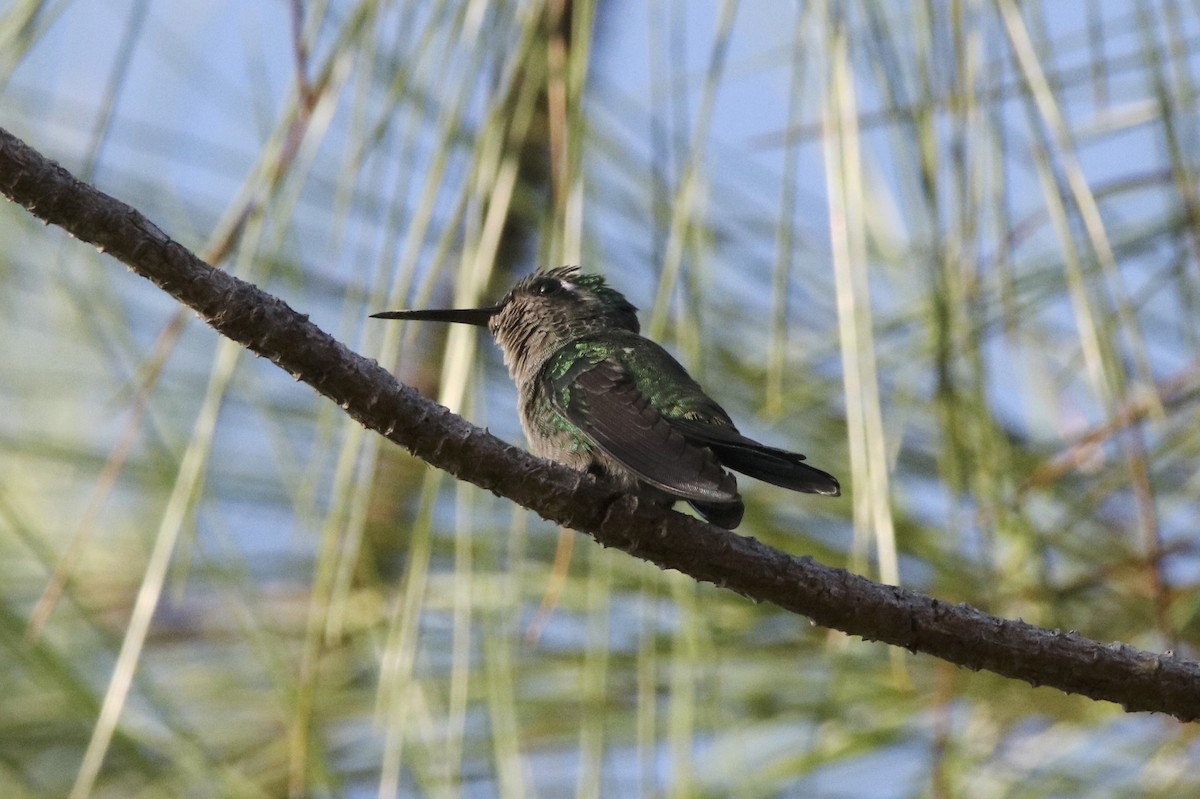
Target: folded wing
point(604, 401)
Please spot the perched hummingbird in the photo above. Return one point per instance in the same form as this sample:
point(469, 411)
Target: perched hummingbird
point(596, 396)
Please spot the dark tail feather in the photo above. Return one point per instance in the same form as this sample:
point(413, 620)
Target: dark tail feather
point(778, 467)
point(769, 464)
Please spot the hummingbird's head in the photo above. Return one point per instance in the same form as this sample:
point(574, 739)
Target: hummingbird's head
point(550, 308)
point(540, 314)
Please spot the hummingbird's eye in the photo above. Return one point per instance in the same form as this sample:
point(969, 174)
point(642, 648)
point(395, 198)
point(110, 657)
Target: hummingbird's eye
point(547, 287)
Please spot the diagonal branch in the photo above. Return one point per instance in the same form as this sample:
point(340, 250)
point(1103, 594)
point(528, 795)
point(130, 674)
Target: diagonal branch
point(833, 598)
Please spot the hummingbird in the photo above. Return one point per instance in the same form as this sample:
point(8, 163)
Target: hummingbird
point(595, 395)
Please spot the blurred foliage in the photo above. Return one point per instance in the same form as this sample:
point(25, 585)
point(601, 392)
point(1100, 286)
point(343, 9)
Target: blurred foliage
point(948, 249)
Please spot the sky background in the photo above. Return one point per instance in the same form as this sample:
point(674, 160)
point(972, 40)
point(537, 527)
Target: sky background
point(641, 680)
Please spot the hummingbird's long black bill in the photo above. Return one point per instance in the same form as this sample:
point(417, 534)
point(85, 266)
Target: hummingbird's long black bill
point(467, 316)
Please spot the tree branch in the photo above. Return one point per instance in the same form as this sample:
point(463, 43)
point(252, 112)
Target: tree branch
point(834, 598)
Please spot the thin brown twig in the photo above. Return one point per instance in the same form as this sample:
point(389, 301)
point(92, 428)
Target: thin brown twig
point(308, 97)
point(1171, 393)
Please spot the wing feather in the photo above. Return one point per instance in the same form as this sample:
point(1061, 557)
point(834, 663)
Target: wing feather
point(603, 400)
